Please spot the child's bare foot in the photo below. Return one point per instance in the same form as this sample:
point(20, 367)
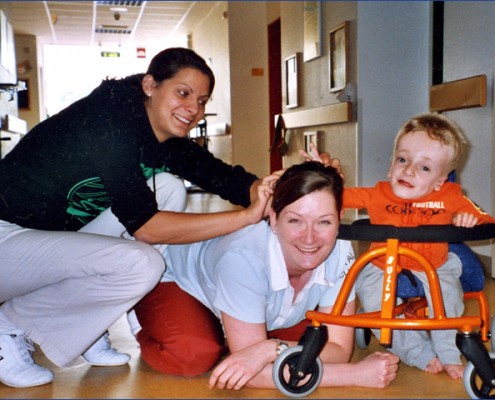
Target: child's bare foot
point(454, 371)
point(435, 366)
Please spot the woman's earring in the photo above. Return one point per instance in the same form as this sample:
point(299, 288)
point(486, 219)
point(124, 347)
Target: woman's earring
point(149, 94)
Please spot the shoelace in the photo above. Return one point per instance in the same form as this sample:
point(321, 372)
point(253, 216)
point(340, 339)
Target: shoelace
point(25, 347)
point(108, 344)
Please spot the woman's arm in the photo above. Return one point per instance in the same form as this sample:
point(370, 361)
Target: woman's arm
point(252, 355)
point(177, 228)
point(340, 338)
point(375, 371)
point(197, 165)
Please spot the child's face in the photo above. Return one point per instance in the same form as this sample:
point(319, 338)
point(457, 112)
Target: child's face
point(419, 167)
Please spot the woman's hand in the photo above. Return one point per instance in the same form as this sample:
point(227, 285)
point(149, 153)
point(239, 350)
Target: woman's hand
point(266, 186)
point(240, 367)
point(251, 356)
point(377, 370)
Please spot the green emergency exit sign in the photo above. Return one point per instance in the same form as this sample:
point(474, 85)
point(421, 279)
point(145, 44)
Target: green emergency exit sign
point(110, 54)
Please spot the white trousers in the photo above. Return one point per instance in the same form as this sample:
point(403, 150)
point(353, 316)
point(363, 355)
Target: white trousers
point(65, 289)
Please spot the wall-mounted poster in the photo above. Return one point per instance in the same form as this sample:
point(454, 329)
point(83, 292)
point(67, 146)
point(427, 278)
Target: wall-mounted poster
point(291, 81)
point(338, 55)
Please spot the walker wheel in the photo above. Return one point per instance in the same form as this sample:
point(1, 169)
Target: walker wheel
point(288, 383)
point(475, 387)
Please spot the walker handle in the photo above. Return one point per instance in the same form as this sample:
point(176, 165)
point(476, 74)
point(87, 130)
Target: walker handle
point(362, 229)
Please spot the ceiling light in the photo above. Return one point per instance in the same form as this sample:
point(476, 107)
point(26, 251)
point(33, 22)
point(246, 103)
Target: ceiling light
point(120, 3)
point(117, 29)
point(118, 9)
point(107, 26)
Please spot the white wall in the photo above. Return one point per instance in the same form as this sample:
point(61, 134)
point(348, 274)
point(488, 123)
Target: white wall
point(468, 52)
point(340, 139)
point(248, 47)
point(393, 77)
point(233, 38)
point(394, 72)
point(210, 39)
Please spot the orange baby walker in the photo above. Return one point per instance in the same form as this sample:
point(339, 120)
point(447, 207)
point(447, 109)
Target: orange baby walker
point(302, 362)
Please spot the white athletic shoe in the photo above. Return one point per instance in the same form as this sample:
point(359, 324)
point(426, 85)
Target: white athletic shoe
point(133, 322)
point(102, 354)
point(17, 367)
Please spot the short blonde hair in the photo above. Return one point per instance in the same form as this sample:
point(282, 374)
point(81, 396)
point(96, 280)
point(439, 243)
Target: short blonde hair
point(438, 127)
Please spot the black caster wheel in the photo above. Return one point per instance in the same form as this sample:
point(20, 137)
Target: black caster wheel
point(286, 362)
point(363, 337)
point(473, 384)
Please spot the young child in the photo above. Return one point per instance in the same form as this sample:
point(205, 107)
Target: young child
point(426, 149)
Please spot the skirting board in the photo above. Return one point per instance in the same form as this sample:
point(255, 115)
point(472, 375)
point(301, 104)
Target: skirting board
point(455, 95)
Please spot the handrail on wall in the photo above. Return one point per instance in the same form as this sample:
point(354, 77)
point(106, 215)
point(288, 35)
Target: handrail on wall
point(326, 115)
point(459, 94)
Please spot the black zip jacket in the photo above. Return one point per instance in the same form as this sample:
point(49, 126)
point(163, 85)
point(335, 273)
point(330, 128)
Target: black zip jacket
point(99, 153)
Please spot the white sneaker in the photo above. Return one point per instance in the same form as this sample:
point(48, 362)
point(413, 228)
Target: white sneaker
point(17, 367)
point(133, 322)
point(102, 354)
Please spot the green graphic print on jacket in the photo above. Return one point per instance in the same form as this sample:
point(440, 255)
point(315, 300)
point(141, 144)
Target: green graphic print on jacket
point(88, 198)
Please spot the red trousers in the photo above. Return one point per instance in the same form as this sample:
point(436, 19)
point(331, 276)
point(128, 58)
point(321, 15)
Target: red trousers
point(180, 336)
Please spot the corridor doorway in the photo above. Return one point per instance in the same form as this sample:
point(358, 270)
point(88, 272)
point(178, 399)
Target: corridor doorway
point(275, 88)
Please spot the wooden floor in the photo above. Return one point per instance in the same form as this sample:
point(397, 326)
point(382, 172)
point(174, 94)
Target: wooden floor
point(137, 380)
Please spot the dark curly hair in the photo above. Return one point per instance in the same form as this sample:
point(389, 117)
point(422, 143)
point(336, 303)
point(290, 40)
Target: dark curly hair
point(302, 179)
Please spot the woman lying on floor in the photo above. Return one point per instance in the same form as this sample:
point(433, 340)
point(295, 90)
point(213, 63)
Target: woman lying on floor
point(257, 284)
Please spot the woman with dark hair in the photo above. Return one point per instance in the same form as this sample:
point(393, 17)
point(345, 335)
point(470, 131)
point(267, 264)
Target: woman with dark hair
point(82, 183)
point(257, 284)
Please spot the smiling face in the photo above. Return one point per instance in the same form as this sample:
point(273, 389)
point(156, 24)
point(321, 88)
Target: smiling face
point(307, 231)
point(419, 166)
point(176, 105)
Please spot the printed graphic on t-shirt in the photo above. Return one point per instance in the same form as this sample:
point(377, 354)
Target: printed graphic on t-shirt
point(87, 200)
point(150, 171)
point(426, 209)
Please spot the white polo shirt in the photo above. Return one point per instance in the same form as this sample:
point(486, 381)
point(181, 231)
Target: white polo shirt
point(244, 275)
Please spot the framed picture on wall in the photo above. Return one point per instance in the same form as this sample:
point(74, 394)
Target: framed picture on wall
point(338, 57)
point(312, 29)
point(291, 81)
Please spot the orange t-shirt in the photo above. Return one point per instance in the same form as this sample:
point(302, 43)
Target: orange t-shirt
point(438, 208)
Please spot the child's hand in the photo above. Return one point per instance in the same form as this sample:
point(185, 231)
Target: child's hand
point(324, 158)
point(465, 220)
point(314, 155)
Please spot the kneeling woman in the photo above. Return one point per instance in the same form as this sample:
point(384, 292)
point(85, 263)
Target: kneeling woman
point(258, 283)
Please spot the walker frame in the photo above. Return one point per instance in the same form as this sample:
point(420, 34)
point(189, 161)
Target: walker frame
point(305, 367)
